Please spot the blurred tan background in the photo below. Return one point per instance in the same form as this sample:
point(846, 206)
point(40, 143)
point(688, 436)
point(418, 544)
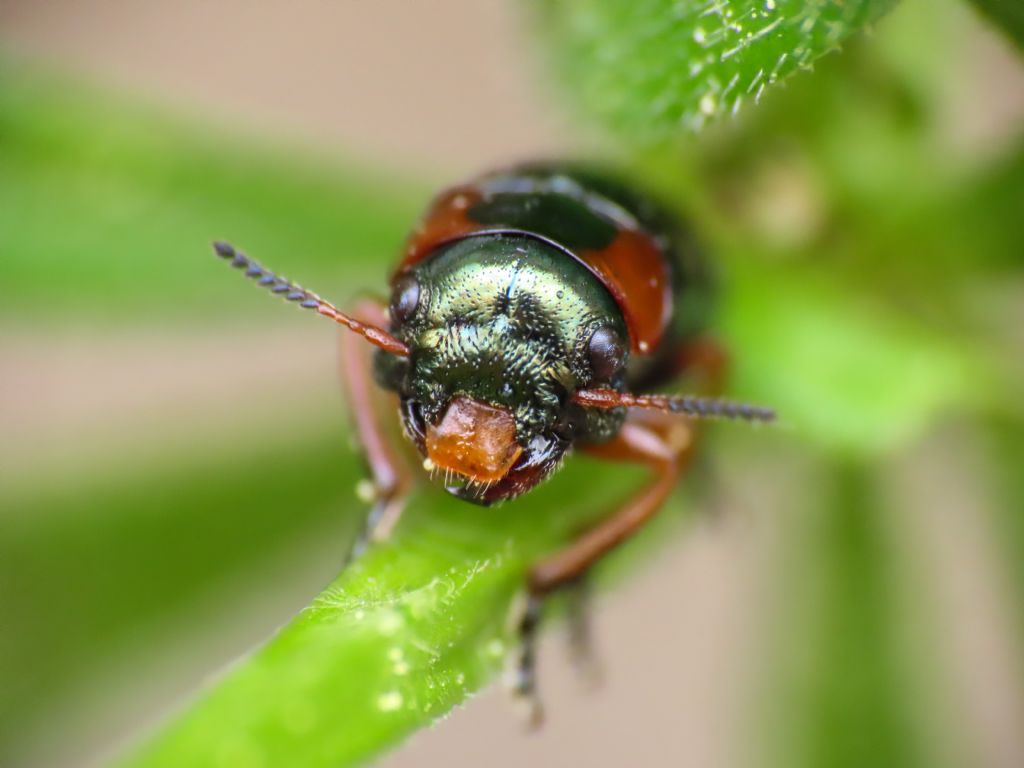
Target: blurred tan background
point(439, 86)
point(444, 89)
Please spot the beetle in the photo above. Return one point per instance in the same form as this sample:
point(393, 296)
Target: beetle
point(533, 312)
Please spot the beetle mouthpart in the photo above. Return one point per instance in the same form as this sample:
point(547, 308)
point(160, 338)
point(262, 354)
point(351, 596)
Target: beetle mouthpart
point(474, 440)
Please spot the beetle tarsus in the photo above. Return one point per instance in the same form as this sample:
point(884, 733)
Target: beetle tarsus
point(523, 683)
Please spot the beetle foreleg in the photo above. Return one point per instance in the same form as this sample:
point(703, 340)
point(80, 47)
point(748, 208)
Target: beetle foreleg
point(390, 477)
point(701, 359)
point(635, 443)
point(640, 441)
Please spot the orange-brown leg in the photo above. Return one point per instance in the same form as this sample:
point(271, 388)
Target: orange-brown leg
point(643, 440)
point(390, 476)
point(637, 443)
point(707, 361)
point(702, 360)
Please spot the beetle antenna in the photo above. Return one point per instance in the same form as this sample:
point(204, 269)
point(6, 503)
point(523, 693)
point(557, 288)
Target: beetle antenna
point(308, 300)
point(696, 407)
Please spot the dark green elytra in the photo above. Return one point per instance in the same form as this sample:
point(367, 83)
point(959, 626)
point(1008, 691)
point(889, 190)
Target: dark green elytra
point(564, 219)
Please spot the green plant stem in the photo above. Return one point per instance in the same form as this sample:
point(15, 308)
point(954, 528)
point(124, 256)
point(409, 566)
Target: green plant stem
point(404, 634)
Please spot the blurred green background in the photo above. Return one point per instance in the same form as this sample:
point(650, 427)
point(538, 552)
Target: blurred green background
point(175, 473)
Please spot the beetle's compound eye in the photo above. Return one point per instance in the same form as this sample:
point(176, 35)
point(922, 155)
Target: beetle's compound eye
point(405, 297)
point(607, 354)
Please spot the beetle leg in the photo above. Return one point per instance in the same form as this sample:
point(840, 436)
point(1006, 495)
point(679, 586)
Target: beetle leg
point(638, 443)
point(523, 684)
point(649, 440)
point(707, 359)
point(701, 357)
point(524, 681)
point(390, 477)
point(707, 363)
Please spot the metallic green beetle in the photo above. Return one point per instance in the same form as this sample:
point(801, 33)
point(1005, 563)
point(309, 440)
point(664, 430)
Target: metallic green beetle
point(532, 313)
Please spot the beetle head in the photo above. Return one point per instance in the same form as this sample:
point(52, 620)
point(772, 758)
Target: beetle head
point(501, 331)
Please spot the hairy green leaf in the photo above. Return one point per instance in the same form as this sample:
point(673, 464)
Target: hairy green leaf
point(652, 68)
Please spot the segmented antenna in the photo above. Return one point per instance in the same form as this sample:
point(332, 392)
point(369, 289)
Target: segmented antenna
point(308, 300)
point(696, 407)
